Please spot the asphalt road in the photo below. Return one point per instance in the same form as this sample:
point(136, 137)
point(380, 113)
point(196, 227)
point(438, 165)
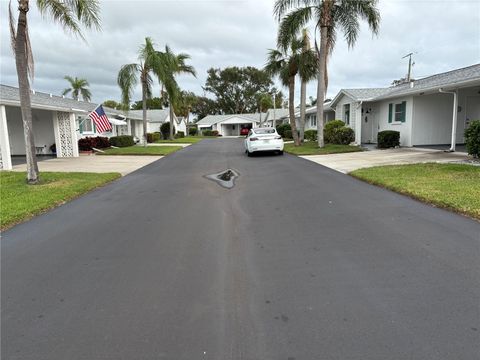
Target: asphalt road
point(295, 262)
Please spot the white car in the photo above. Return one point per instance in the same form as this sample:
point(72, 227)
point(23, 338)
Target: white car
point(263, 139)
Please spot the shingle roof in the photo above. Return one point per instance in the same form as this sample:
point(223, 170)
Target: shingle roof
point(9, 95)
point(154, 115)
point(279, 113)
point(214, 119)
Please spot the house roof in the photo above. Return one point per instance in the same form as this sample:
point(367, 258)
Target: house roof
point(447, 80)
point(214, 119)
point(9, 95)
point(279, 113)
point(154, 115)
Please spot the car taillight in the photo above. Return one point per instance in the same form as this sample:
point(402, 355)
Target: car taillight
point(278, 137)
point(253, 139)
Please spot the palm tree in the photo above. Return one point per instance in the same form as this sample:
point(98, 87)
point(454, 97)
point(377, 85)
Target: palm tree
point(173, 64)
point(149, 64)
point(285, 63)
point(329, 16)
point(78, 87)
point(70, 15)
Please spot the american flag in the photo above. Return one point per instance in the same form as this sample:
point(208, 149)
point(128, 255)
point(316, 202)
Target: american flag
point(100, 119)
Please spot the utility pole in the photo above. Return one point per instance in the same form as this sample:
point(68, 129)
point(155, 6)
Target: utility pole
point(409, 75)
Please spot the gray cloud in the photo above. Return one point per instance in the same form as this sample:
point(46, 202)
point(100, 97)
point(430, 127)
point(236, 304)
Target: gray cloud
point(444, 34)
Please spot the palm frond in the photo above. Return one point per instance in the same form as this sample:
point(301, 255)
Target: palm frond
point(86, 94)
point(127, 79)
point(66, 91)
point(87, 12)
point(291, 24)
point(60, 12)
point(13, 32)
point(281, 7)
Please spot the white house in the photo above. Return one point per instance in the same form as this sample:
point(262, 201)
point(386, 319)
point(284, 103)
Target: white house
point(230, 125)
point(430, 111)
point(56, 120)
point(275, 117)
point(155, 119)
point(310, 116)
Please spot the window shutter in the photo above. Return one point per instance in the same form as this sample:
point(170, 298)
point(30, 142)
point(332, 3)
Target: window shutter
point(390, 112)
point(404, 111)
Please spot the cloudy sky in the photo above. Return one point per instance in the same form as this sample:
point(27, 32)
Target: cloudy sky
point(444, 35)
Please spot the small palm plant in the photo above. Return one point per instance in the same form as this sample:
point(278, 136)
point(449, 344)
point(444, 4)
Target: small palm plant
point(329, 16)
point(71, 15)
point(78, 87)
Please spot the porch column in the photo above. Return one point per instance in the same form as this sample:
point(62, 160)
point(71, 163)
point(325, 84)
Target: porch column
point(65, 134)
point(357, 126)
point(5, 156)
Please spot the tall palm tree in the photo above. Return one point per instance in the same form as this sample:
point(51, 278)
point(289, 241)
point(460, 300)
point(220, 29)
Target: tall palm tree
point(173, 65)
point(149, 64)
point(285, 63)
point(329, 16)
point(78, 87)
point(71, 15)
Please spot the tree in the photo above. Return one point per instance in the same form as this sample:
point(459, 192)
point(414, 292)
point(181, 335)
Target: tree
point(329, 17)
point(150, 63)
point(184, 104)
point(78, 87)
point(71, 15)
point(285, 63)
point(203, 106)
point(152, 103)
point(173, 65)
point(235, 89)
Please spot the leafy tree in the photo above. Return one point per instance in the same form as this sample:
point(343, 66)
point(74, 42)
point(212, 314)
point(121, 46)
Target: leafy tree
point(329, 16)
point(152, 103)
point(115, 105)
point(78, 87)
point(71, 15)
point(235, 89)
point(203, 106)
point(150, 63)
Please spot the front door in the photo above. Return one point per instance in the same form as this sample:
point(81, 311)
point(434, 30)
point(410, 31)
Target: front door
point(369, 126)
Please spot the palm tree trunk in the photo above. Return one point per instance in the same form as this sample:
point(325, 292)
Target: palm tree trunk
point(291, 109)
point(171, 121)
point(144, 112)
point(24, 91)
point(303, 102)
point(321, 84)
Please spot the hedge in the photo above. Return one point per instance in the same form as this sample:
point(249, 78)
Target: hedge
point(122, 141)
point(87, 143)
point(388, 139)
point(282, 128)
point(330, 129)
point(311, 135)
point(179, 135)
point(152, 137)
point(472, 138)
point(192, 131)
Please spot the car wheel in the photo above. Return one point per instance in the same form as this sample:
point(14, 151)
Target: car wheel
point(249, 154)
point(280, 152)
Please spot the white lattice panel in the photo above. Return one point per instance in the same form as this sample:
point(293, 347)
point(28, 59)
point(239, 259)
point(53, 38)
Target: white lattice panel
point(65, 134)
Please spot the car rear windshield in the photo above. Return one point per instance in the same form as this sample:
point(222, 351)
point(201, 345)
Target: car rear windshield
point(265, 131)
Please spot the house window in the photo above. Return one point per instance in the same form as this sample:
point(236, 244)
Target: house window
point(346, 114)
point(313, 120)
point(86, 125)
point(397, 112)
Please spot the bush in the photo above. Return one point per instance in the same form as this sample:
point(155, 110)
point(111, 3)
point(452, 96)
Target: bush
point(472, 138)
point(330, 129)
point(282, 128)
point(122, 141)
point(287, 134)
point(192, 131)
point(343, 136)
point(165, 130)
point(99, 142)
point(311, 135)
point(388, 139)
point(215, 133)
point(179, 135)
point(152, 137)
point(207, 132)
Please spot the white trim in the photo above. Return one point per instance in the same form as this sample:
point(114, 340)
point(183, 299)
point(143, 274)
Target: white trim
point(4, 141)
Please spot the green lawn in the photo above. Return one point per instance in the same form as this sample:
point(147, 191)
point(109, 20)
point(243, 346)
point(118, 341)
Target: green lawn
point(311, 148)
point(186, 140)
point(19, 201)
point(142, 150)
point(452, 186)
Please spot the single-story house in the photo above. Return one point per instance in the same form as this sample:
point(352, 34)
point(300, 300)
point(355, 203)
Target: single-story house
point(155, 119)
point(310, 116)
point(56, 120)
point(434, 110)
point(275, 117)
point(230, 125)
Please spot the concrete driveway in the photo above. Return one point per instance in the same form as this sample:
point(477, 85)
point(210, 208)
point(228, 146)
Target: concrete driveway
point(123, 164)
point(348, 162)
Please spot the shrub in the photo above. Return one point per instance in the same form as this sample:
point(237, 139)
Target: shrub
point(311, 135)
point(192, 131)
point(287, 134)
point(282, 128)
point(388, 139)
point(122, 141)
point(343, 135)
point(179, 135)
point(152, 137)
point(99, 142)
point(215, 133)
point(330, 129)
point(472, 138)
point(165, 130)
point(207, 132)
